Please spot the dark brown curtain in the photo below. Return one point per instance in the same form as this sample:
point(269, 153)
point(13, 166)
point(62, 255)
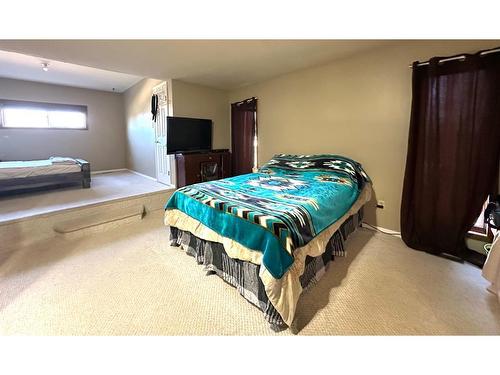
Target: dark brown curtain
point(243, 131)
point(453, 151)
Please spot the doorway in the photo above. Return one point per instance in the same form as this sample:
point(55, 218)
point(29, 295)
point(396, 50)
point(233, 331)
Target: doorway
point(162, 160)
point(244, 136)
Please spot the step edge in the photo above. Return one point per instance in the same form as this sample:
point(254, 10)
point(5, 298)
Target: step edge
point(95, 224)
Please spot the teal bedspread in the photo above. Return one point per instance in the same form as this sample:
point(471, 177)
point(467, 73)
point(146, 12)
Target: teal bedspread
point(285, 205)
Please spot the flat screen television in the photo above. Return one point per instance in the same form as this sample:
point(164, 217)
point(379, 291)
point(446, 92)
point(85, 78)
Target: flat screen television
point(188, 134)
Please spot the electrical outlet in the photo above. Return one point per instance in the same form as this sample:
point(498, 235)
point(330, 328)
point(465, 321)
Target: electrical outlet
point(381, 204)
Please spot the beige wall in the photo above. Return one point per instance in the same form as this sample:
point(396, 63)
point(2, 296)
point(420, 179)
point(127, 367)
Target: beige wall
point(188, 100)
point(140, 131)
point(103, 144)
point(358, 107)
point(191, 100)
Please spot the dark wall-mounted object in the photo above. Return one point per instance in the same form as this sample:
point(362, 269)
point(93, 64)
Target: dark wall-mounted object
point(186, 134)
point(193, 168)
point(154, 106)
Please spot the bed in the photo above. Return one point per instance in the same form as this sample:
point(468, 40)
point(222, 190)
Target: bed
point(272, 234)
point(20, 176)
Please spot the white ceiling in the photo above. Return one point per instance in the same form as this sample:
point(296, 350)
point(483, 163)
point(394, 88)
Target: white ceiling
point(20, 66)
point(224, 64)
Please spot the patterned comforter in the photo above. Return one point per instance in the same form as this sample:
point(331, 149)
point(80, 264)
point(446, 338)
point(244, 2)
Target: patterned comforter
point(291, 200)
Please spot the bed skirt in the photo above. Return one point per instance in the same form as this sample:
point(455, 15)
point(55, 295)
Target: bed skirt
point(244, 276)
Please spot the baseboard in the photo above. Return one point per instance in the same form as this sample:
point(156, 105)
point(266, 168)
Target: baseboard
point(108, 171)
point(150, 178)
point(142, 175)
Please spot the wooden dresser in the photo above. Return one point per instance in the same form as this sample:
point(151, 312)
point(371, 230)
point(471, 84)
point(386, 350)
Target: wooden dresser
point(202, 166)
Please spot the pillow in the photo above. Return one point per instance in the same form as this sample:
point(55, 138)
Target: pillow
point(62, 160)
point(321, 162)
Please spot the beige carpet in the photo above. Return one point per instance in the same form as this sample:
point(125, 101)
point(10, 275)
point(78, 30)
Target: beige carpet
point(129, 282)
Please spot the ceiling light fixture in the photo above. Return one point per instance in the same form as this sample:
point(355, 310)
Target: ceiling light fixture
point(45, 67)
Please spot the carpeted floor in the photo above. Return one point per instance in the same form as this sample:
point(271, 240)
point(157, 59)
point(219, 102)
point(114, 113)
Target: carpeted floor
point(129, 282)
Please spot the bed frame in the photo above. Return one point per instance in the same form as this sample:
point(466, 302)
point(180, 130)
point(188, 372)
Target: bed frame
point(17, 185)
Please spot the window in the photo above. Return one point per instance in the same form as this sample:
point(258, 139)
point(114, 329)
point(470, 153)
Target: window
point(481, 230)
point(32, 115)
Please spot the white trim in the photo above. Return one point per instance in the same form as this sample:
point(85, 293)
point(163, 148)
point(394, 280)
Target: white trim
point(109, 171)
point(381, 229)
point(134, 172)
point(168, 186)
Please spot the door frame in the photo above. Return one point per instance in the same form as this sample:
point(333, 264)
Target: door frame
point(163, 90)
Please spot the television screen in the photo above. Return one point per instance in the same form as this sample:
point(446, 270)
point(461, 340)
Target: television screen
point(188, 134)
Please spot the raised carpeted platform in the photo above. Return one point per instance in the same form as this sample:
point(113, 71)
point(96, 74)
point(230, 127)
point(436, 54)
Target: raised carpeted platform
point(114, 199)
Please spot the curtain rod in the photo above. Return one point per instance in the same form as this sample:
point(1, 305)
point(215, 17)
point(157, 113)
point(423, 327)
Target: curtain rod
point(460, 57)
point(246, 100)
